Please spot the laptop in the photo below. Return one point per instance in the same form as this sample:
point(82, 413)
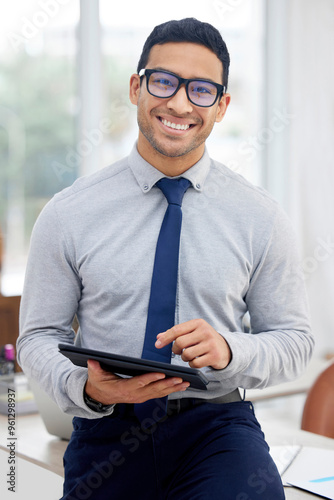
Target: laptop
point(56, 422)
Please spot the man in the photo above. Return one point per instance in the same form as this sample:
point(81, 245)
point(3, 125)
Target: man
point(92, 254)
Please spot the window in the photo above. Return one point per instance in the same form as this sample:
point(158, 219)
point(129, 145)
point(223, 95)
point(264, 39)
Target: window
point(38, 109)
point(241, 23)
point(48, 135)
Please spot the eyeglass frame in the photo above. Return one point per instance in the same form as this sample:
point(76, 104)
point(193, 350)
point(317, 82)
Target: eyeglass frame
point(148, 72)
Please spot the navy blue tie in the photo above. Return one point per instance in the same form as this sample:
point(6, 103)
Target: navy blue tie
point(161, 309)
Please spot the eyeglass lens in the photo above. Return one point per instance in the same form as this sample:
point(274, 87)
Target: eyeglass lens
point(201, 93)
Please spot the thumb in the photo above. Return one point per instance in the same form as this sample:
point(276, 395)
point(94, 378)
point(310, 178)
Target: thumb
point(94, 366)
point(95, 371)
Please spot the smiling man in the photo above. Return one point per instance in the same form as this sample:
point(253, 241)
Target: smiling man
point(178, 126)
point(112, 251)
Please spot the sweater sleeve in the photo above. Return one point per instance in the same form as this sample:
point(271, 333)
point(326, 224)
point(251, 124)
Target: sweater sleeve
point(49, 303)
point(280, 342)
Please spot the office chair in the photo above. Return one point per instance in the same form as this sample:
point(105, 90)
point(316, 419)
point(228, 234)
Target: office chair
point(318, 414)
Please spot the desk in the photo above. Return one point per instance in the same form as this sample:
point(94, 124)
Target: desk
point(277, 435)
point(45, 450)
point(27, 480)
point(35, 443)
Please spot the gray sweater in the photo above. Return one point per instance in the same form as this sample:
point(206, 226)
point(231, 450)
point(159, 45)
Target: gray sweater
point(92, 253)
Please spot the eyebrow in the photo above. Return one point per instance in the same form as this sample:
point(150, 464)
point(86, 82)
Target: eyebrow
point(159, 68)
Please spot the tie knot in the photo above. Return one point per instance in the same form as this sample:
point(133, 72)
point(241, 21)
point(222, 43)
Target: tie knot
point(173, 189)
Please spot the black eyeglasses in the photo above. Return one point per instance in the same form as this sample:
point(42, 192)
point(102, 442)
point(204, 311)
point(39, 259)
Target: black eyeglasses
point(164, 85)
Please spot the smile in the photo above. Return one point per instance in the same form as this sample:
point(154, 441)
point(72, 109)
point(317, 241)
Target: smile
point(175, 126)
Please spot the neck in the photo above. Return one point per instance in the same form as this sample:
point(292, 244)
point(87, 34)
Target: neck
point(169, 166)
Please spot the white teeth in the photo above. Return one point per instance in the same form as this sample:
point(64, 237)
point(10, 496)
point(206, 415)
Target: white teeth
point(174, 125)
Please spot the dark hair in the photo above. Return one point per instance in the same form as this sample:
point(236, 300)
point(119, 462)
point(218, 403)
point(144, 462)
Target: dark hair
point(188, 30)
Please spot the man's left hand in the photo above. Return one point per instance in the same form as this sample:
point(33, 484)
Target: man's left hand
point(198, 343)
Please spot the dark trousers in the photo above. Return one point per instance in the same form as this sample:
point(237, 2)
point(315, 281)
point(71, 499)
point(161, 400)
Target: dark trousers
point(207, 452)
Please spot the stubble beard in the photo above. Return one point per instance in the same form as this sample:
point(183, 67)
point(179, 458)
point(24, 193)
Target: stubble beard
point(172, 151)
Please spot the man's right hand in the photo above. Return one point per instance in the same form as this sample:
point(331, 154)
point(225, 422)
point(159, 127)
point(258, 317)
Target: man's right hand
point(108, 388)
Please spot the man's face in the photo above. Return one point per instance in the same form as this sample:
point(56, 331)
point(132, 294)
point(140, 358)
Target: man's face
point(155, 115)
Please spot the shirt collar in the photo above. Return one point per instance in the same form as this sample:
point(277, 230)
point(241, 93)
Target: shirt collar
point(147, 175)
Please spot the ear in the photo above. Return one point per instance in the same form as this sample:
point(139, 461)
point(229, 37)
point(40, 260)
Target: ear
point(134, 88)
point(222, 107)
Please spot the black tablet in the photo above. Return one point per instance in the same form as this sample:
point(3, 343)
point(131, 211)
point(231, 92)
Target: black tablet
point(126, 365)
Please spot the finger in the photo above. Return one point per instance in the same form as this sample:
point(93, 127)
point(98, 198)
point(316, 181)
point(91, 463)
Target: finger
point(95, 371)
point(193, 352)
point(187, 341)
point(146, 379)
point(157, 387)
point(93, 365)
point(200, 361)
point(160, 390)
point(175, 332)
point(174, 388)
point(179, 346)
point(154, 381)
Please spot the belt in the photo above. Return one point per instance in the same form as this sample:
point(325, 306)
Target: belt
point(175, 406)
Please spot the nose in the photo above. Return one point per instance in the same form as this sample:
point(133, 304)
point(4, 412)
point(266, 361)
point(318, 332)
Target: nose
point(180, 102)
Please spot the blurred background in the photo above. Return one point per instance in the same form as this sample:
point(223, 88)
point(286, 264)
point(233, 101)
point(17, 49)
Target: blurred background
point(64, 112)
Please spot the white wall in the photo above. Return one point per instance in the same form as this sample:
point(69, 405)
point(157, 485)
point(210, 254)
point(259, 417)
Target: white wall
point(310, 179)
